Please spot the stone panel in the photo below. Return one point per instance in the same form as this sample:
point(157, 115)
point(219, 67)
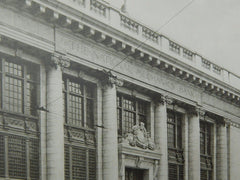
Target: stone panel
point(25, 24)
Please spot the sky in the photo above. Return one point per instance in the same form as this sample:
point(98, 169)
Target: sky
point(209, 27)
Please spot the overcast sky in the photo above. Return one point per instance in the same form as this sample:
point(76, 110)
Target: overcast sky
point(209, 27)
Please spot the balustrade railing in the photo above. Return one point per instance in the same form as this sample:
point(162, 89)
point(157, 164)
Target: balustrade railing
point(116, 19)
point(98, 7)
point(129, 24)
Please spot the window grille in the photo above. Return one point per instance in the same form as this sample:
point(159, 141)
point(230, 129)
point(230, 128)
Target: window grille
point(130, 111)
point(175, 172)
point(2, 161)
point(206, 174)
point(17, 157)
point(34, 159)
point(78, 103)
point(80, 163)
point(92, 164)
point(66, 162)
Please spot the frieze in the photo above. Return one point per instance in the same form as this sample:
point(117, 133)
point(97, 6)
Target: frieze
point(15, 123)
point(139, 138)
point(77, 134)
point(89, 52)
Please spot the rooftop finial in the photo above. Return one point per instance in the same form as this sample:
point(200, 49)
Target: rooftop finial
point(124, 6)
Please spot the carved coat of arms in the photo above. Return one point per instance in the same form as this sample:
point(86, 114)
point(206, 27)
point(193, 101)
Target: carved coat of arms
point(140, 137)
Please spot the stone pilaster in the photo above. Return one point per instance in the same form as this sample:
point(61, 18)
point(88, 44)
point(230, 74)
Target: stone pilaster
point(222, 157)
point(110, 136)
point(55, 120)
point(194, 144)
point(160, 129)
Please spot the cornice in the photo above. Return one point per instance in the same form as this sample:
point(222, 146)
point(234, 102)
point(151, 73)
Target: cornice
point(53, 12)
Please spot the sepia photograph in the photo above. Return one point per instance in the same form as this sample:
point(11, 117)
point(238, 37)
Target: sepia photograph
point(119, 90)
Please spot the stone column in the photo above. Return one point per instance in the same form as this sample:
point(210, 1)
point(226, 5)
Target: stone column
point(55, 120)
point(193, 145)
point(110, 136)
point(160, 129)
point(222, 157)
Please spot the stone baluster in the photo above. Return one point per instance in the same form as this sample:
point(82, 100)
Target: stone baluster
point(55, 120)
point(194, 144)
point(110, 136)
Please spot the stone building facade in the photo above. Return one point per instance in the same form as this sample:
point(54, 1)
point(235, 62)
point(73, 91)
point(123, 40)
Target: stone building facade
point(89, 93)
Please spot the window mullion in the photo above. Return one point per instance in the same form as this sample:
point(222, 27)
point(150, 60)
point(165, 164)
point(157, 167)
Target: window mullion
point(205, 129)
point(178, 178)
point(122, 115)
point(67, 104)
point(6, 156)
point(28, 159)
point(84, 108)
point(24, 93)
point(3, 84)
point(87, 164)
point(70, 162)
point(175, 131)
point(136, 113)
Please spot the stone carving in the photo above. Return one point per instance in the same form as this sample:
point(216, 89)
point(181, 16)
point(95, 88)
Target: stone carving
point(179, 157)
point(139, 161)
point(109, 79)
point(60, 61)
point(139, 137)
point(89, 138)
point(156, 169)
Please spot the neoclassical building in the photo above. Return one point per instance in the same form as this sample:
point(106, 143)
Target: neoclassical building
point(88, 93)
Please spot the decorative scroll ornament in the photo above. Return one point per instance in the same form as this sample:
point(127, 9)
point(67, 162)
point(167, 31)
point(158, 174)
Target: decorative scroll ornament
point(196, 111)
point(108, 78)
point(140, 138)
point(139, 161)
point(59, 60)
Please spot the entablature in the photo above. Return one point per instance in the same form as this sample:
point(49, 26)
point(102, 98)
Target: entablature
point(59, 14)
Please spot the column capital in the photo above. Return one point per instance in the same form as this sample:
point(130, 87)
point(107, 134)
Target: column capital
point(107, 78)
point(163, 99)
point(59, 60)
point(196, 111)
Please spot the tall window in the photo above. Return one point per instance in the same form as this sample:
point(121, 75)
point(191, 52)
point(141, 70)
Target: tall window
point(130, 111)
point(80, 146)
point(19, 143)
point(206, 151)
point(78, 103)
point(175, 151)
point(19, 86)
